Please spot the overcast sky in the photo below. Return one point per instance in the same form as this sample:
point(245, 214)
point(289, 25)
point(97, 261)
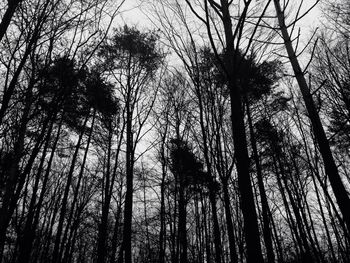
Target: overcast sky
point(133, 13)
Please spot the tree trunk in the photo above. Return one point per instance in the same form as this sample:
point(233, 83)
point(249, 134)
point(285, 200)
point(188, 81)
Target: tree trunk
point(251, 229)
point(182, 230)
point(162, 199)
point(6, 19)
point(125, 253)
point(106, 200)
point(320, 135)
point(26, 241)
point(212, 195)
point(55, 254)
point(115, 233)
point(229, 223)
point(264, 202)
point(80, 177)
point(14, 174)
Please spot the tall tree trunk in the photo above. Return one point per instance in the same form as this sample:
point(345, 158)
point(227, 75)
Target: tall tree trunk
point(251, 229)
point(331, 169)
point(125, 253)
point(162, 231)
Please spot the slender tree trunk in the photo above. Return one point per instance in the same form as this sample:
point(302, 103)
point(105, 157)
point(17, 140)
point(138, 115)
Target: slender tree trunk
point(80, 177)
point(226, 197)
point(301, 203)
point(162, 199)
point(14, 181)
point(212, 195)
point(182, 229)
point(115, 233)
point(55, 254)
point(110, 191)
point(264, 202)
point(291, 222)
point(26, 241)
point(44, 185)
point(325, 224)
point(45, 256)
point(125, 255)
point(307, 255)
point(216, 227)
point(229, 223)
point(207, 242)
point(102, 233)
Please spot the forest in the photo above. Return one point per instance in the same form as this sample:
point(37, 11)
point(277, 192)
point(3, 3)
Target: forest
point(213, 131)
